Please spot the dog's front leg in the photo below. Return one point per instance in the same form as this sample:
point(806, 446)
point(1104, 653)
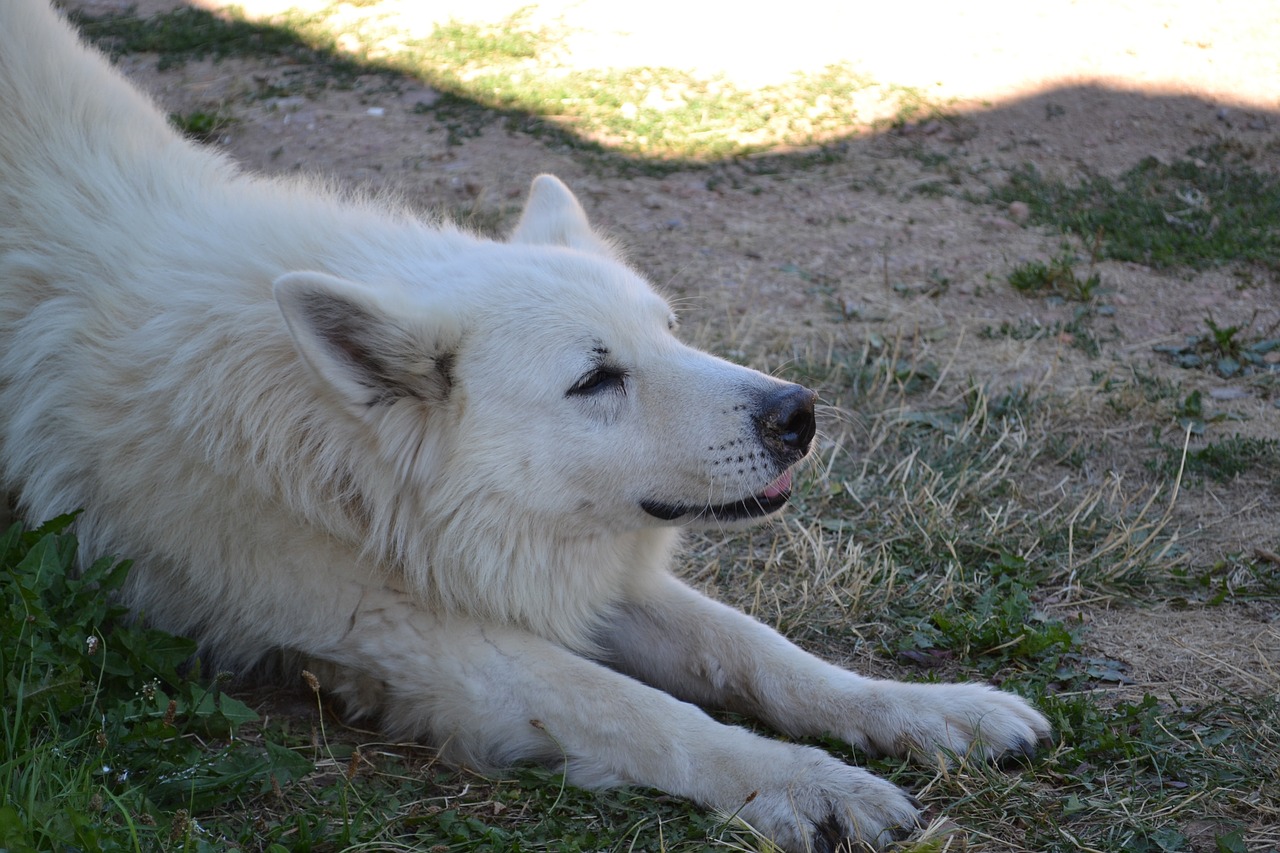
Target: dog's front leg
point(681, 641)
point(491, 695)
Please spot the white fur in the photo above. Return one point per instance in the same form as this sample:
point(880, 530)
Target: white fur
point(322, 425)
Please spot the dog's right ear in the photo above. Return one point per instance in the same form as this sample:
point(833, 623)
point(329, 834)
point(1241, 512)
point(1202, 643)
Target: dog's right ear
point(370, 355)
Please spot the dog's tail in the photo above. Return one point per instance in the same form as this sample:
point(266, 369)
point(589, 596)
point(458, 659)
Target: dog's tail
point(54, 92)
point(82, 152)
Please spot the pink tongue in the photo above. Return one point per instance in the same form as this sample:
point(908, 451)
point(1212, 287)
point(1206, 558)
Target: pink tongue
point(778, 487)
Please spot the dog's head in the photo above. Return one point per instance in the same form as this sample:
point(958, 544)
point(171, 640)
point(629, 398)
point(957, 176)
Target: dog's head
point(543, 375)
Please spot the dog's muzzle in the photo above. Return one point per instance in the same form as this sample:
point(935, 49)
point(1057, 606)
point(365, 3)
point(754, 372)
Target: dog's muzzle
point(785, 426)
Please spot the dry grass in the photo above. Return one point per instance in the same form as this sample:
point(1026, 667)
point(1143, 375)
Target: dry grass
point(938, 528)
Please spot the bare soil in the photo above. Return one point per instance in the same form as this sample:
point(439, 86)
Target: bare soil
point(777, 255)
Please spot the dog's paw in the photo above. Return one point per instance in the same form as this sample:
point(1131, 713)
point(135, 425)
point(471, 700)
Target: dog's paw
point(963, 721)
point(817, 804)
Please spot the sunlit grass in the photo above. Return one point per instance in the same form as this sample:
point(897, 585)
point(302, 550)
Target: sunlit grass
point(512, 67)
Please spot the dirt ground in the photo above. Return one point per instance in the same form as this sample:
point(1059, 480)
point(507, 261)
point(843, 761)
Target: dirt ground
point(1075, 88)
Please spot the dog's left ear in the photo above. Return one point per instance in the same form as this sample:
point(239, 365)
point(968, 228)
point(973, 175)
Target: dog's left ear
point(366, 351)
point(553, 217)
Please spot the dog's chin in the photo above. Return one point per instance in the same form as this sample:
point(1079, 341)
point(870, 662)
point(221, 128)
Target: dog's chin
point(772, 499)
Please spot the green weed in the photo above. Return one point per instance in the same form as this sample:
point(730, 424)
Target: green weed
point(461, 44)
point(1022, 330)
point(1057, 278)
point(1226, 350)
point(202, 126)
point(1210, 208)
point(1238, 577)
point(996, 624)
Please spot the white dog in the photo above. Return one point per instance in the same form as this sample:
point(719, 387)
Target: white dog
point(450, 471)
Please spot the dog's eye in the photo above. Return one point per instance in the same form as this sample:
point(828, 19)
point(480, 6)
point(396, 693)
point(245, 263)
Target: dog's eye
point(598, 381)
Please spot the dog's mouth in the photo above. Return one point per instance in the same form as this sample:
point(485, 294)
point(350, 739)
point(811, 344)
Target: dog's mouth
point(773, 498)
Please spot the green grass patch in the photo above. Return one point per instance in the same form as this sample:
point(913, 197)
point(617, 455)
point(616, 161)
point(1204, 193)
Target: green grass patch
point(461, 44)
point(1209, 208)
point(1127, 768)
point(508, 73)
point(106, 740)
point(189, 33)
point(657, 112)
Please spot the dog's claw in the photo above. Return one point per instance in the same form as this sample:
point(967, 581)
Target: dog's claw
point(1017, 755)
point(828, 836)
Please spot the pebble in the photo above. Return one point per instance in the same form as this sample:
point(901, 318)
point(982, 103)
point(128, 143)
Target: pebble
point(1228, 393)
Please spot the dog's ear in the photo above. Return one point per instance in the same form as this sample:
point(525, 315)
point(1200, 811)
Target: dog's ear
point(368, 354)
point(553, 217)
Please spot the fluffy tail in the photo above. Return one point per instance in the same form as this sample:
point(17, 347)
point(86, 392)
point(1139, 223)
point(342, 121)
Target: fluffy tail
point(83, 153)
point(55, 92)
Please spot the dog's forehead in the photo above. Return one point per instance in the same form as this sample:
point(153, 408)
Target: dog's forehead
point(624, 325)
point(559, 293)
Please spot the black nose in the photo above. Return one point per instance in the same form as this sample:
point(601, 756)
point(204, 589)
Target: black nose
point(786, 421)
